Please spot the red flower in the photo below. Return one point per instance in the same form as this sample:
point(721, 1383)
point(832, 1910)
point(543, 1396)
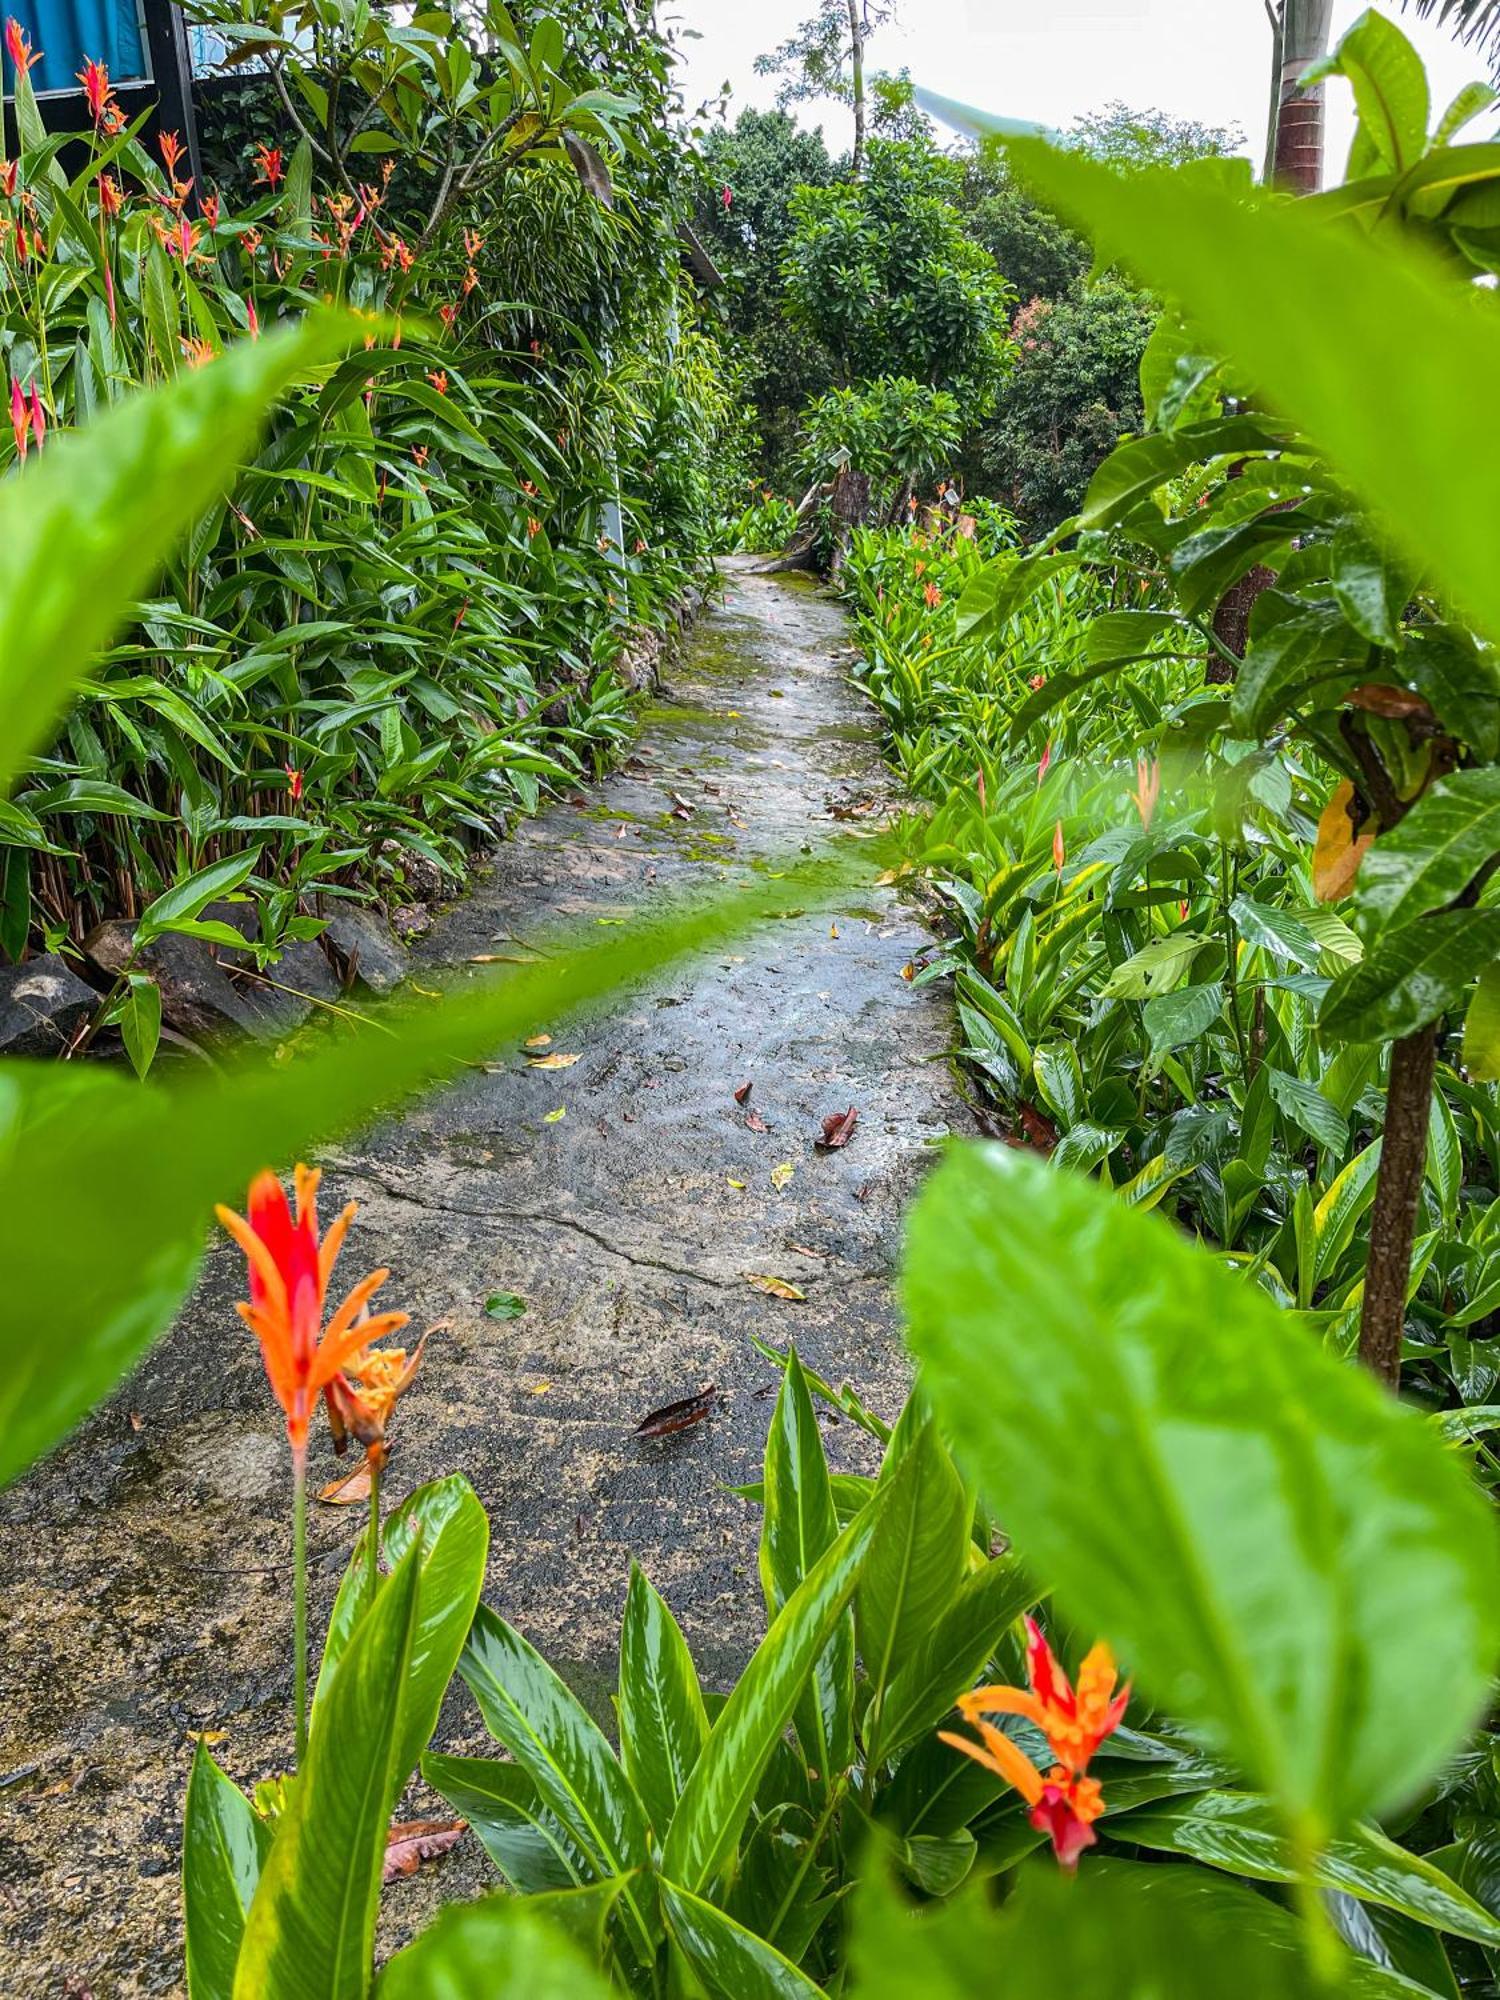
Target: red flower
point(9, 170)
point(252, 319)
point(1059, 851)
point(171, 148)
point(1046, 763)
point(1147, 789)
point(293, 782)
point(111, 195)
point(38, 417)
point(932, 597)
point(95, 80)
point(20, 419)
point(1066, 1802)
point(726, 195)
point(438, 377)
point(289, 1273)
point(22, 54)
point(272, 167)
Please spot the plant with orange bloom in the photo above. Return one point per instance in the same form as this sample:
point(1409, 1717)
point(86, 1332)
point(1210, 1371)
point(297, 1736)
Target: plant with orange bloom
point(1075, 1721)
point(1059, 849)
point(272, 167)
point(1147, 789)
point(932, 597)
point(290, 1266)
point(23, 56)
point(100, 99)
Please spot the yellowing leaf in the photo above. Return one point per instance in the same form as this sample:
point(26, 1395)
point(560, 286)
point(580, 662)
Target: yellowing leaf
point(781, 1176)
point(552, 1117)
point(776, 1288)
point(738, 1186)
point(538, 1041)
point(540, 1388)
point(1337, 855)
point(552, 1062)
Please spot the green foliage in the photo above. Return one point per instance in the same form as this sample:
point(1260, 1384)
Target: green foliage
point(881, 273)
point(896, 430)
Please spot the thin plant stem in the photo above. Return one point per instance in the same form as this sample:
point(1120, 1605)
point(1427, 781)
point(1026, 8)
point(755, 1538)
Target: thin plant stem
point(373, 1533)
point(299, 1595)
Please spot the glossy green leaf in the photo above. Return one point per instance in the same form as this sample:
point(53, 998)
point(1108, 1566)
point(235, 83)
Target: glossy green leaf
point(1410, 976)
point(187, 899)
point(663, 1723)
point(1173, 1020)
point(114, 498)
point(1432, 856)
point(952, 1655)
point(444, 1522)
point(481, 1951)
point(1288, 1558)
point(181, 1145)
point(1237, 1831)
point(1120, 1930)
point(798, 1525)
point(526, 1842)
point(1390, 88)
point(224, 1844)
point(137, 1013)
point(311, 1928)
point(914, 1569)
point(711, 1814)
point(1309, 1109)
point(1482, 1028)
point(528, 1709)
point(1133, 471)
point(1387, 314)
point(732, 1962)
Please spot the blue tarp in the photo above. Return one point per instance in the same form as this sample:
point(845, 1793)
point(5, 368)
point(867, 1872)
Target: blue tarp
point(68, 32)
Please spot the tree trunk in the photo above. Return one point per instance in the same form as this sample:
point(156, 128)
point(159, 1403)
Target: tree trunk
point(1295, 154)
point(1393, 1220)
point(857, 56)
point(851, 509)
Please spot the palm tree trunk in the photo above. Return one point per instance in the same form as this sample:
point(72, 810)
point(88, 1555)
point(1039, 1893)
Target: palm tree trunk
point(1295, 154)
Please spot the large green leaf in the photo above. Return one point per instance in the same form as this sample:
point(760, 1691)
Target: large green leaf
point(1410, 976)
point(1387, 314)
point(496, 1947)
point(1286, 1556)
point(552, 1736)
point(1431, 857)
point(1121, 1930)
point(311, 1927)
point(1237, 1831)
point(798, 1524)
point(716, 1802)
point(444, 1522)
point(951, 1656)
point(732, 1962)
point(85, 529)
point(224, 1844)
point(526, 1842)
point(663, 1723)
point(1133, 471)
point(1390, 88)
point(915, 1566)
point(138, 1170)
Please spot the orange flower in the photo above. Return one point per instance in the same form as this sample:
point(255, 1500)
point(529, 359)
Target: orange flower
point(1059, 848)
point(197, 353)
point(932, 597)
point(269, 160)
point(1066, 1802)
point(22, 54)
point(172, 150)
point(438, 377)
point(1147, 789)
point(362, 1396)
point(289, 1273)
point(100, 98)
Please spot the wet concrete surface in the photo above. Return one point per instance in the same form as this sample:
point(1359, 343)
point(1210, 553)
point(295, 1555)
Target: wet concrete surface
point(144, 1578)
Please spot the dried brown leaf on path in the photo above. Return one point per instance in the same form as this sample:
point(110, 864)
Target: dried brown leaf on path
point(410, 1842)
point(679, 1416)
point(838, 1130)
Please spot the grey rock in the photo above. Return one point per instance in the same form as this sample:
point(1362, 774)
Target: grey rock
point(366, 947)
point(302, 972)
point(43, 1004)
point(411, 920)
point(199, 997)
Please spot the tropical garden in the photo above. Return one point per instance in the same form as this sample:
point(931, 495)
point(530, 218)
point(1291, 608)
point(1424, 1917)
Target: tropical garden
point(357, 484)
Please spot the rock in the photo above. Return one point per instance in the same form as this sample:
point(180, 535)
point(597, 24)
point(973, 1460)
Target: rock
point(198, 996)
point(302, 968)
point(421, 880)
point(365, 947)
point(43, 1004)
point(411, 920)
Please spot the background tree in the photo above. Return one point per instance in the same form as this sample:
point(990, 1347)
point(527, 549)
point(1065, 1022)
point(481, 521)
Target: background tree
point(825, 57)
point(1475, 21)
point(1129, 138)
point(883, 274)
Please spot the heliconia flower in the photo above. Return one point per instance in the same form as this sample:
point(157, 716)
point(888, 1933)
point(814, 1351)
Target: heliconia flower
point(111, 195)
point(362, 1396)
point(293, 782)
point(473, 244)
point(1037, 683)
point(726, 195)
point(171, 149)
point(533, 527)
point(1059, 850)
point(38, 417)
point(1147, 788)
point(419, 453)
point(289, 1273)
point(272, 167)
point(9, 174)
point(438, 377)
point(1066, 1801)
point(448, 314)
point(23, 56)
point(20, 419)
point(252, 319)
point(209, 208)
point(196, 352)
point(1045, 764)
point(640, 546)
point(932, 597)
point(95, 80)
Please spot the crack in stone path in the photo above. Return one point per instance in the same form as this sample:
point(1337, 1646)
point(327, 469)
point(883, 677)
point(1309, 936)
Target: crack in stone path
point(144, 1576)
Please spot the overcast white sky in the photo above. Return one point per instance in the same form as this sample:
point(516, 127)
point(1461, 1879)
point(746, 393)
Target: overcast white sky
point(1051, 60)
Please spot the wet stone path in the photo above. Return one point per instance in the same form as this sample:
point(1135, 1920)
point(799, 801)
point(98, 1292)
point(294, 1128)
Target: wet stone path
point(144, 1585)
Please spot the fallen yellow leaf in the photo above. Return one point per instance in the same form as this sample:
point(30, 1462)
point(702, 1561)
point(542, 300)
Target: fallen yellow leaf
point(776, 1288)
point(738, 1186)
point(538, 1041)
point(552, 1062)
point(551, 1117)
point(781, 1176)
point(540, 1388)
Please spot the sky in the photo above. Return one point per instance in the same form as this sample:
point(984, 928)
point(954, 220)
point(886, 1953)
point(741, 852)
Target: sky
point(1052, 60)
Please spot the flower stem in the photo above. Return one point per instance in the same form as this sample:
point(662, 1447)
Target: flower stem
point(373, 1532)
point(299, 1595)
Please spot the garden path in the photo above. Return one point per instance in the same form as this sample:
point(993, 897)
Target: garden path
point(144, 1580)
